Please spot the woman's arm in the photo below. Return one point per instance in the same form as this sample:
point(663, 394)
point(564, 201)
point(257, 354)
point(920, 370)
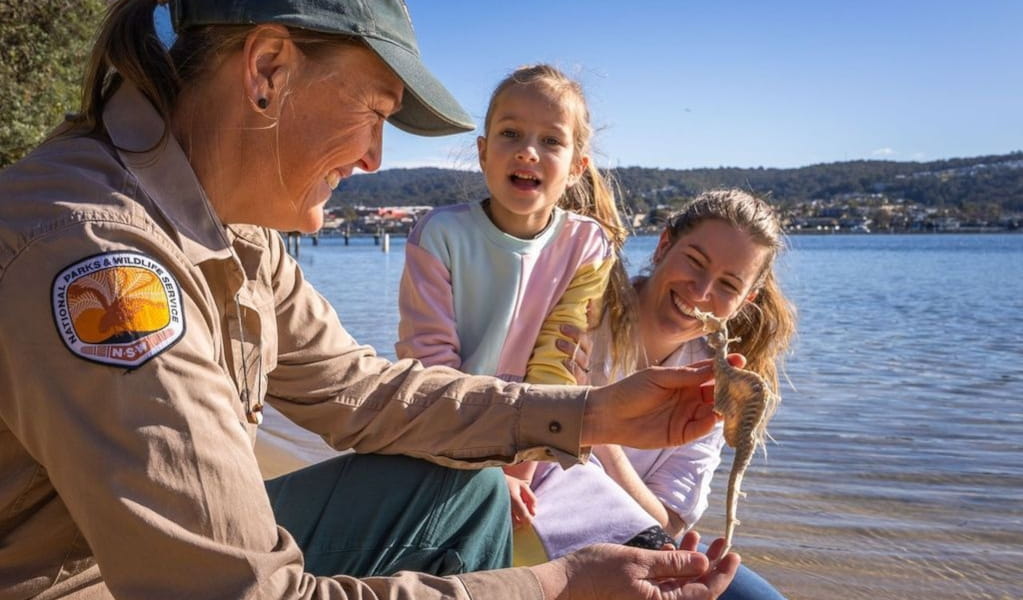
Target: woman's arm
point(682, 482)
point(143, 462)
point(617, 465)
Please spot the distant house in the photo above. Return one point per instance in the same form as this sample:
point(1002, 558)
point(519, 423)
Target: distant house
point(809, 224)
point(391, 212)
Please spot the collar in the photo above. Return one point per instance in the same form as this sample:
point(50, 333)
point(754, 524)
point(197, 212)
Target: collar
point(164, 173)
point(515, 244)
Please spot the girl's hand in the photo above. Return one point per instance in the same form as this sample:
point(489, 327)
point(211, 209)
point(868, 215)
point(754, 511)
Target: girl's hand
point(577, 346)
point(523, 501)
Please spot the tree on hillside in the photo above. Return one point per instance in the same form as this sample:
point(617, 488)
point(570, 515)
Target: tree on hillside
point(43, 48)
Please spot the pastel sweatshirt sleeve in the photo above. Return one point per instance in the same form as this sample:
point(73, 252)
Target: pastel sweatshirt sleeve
point(587, 286)
point(426, 326)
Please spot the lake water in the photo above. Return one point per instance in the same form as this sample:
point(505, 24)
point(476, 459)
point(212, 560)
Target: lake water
point(896, 469)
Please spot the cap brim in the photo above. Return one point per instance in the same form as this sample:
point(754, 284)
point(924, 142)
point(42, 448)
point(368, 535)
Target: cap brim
point(427, 108)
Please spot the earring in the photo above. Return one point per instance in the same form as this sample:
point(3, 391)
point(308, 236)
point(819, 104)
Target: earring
point(262, 103)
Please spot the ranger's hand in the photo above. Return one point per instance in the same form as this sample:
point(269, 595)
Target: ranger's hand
point(622, 572)
point(657, 407)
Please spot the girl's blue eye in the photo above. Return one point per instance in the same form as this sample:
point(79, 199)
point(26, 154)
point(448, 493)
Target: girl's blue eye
point(552, 141)
point(508, 133)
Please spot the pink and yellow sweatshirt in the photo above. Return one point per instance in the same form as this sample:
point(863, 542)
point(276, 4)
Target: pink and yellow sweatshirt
point(487, 303)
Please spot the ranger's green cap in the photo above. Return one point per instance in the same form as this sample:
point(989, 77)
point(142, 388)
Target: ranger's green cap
point(427, 108)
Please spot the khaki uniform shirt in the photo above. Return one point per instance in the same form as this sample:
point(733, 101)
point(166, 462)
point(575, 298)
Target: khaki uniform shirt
point(139, 339)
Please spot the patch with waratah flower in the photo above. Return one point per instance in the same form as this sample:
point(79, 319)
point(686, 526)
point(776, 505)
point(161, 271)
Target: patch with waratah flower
point(118, 308)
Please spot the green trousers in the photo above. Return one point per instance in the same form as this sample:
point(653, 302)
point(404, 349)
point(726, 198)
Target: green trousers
point(365, 515)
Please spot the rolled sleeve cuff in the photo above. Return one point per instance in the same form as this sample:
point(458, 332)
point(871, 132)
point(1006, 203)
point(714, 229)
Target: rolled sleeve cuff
point(507, 584)
point(550, 420)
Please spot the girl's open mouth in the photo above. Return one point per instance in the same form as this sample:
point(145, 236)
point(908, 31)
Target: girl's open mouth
point(524, 181)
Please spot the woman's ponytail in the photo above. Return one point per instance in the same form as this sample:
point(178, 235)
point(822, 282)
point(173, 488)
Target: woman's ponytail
point(128, 49)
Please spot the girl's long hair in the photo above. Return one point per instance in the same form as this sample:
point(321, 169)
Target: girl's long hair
point(593, 195)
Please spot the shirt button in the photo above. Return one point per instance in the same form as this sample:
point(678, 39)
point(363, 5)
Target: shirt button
point(554, 427)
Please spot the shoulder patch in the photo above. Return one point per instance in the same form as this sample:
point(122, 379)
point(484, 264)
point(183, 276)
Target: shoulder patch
point(118, 308)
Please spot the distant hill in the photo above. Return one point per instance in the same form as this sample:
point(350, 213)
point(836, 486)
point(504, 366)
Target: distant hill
point(995, 181)
point(425, 186)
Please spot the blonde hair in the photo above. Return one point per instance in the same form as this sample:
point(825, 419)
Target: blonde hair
point(593, 195)
point(128, 49)
point(766, 324)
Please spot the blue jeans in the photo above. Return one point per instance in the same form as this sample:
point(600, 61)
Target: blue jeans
point(747, 585)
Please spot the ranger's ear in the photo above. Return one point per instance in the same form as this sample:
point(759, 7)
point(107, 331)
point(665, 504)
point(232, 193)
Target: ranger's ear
point(270, 58)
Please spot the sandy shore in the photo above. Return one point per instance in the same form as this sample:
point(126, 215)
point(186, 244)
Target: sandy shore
point(809, 550)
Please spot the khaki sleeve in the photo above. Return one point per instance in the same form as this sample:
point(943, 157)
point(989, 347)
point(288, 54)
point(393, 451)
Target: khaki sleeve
point(153, 464)
point(585, 290)
point(326, 382)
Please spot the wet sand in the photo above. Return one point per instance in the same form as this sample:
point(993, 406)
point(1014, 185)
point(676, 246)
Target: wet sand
point(823, 545)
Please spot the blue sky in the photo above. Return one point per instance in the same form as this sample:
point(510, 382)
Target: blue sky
point(685, 84)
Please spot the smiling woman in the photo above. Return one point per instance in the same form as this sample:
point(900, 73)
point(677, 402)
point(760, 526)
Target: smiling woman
point(310, 121)
point(298, 116)
point(716, 255)
point(150, 310)
point(714, 267)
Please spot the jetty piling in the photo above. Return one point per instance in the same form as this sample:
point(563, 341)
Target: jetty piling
point(292, 241)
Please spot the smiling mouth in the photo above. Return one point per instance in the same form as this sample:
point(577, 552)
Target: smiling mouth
point(709, 320)
point(682, 307)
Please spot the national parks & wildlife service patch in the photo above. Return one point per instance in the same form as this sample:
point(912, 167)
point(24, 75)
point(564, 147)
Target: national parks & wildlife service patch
point(118, 308)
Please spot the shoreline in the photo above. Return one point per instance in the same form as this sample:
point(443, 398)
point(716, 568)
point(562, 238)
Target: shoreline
point(334, 233)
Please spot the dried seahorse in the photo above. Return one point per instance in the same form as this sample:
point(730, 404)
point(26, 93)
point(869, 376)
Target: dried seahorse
point(746, 402)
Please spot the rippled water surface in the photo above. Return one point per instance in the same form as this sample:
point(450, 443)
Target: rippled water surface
point(897, 466)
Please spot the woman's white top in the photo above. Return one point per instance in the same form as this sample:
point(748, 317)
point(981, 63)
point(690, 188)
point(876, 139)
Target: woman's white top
point(582, 505)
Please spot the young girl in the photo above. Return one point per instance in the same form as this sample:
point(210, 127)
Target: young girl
point(716, 254)
point(488, 285)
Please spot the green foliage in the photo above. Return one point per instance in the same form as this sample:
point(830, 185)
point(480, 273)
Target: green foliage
point(952, 183)
point(43, 48)
point(411, 187)
point(992, 182)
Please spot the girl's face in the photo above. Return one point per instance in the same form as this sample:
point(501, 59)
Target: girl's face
point(713, 267)
point(528, 158)
point(331, 123)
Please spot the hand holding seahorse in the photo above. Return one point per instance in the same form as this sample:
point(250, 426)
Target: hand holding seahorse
point(746, 402)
